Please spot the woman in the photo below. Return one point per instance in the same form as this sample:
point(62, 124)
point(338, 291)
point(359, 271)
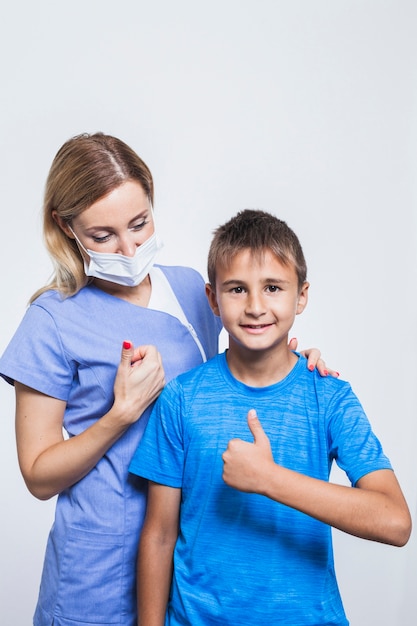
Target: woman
point(65, 363)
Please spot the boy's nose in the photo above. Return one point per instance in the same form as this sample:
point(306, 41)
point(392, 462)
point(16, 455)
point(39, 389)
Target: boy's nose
point(254, 305)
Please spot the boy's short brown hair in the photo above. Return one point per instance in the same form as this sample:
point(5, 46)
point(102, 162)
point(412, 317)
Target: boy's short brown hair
point(257, 231)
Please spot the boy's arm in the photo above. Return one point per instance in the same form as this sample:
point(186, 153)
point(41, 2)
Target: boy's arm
point(375, 509)
point(156, 546)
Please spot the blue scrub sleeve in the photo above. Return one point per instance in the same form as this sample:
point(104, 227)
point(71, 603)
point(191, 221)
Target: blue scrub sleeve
point(35, 356)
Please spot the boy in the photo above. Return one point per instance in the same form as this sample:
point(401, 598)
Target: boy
point(214, 549)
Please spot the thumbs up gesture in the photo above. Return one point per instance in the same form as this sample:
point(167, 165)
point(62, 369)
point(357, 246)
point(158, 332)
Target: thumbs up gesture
point(248, 465)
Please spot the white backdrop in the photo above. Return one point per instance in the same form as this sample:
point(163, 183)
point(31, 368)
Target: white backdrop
point(304, 108)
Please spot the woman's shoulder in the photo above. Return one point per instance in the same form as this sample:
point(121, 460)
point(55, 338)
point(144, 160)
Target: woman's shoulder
point(186, 282)
point(52, 298)
point(179, 272)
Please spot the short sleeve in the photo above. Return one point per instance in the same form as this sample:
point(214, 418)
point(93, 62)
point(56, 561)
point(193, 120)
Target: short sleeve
point(35, 356)
point(160, 454)
point(352, 443)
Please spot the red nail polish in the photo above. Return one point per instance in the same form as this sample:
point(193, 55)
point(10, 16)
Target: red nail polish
point(311, 368)
point(127, 345)
point(326, 373)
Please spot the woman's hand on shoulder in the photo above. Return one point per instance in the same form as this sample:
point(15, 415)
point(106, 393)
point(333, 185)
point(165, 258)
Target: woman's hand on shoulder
point(314, 360)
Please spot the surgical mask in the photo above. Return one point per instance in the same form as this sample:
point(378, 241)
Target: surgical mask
point(128, 271)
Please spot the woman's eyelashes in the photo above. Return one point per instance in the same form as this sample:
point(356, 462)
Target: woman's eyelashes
point(106, 237)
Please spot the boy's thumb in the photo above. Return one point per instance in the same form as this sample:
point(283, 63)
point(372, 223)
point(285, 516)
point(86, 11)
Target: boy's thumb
point(255, 426)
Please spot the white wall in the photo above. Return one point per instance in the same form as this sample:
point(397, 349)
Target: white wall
point(304, 108)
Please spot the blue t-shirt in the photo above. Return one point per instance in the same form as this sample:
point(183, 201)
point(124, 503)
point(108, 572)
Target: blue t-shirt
point(240, 558)
point(69, 348)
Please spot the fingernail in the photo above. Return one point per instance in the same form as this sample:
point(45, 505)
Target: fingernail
point(127, 345)
point(325, 372)
point(293, 339)
point(337, 374)
point(311, 367)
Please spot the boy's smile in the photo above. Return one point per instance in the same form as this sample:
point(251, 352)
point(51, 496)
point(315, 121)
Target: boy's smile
point(257, 297)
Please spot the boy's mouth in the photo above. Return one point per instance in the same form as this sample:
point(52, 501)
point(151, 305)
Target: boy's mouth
point(256, 326)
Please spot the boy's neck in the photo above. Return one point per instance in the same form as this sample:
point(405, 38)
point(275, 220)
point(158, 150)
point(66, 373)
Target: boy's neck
point(260, 369)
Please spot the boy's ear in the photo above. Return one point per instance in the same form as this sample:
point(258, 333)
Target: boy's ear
point(211, 296)
point(302, 298)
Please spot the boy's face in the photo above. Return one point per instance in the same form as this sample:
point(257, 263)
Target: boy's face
point(257, 300)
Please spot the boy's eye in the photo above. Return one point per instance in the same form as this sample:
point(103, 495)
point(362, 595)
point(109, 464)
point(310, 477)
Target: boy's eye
point(273, 288)
point(237, 289)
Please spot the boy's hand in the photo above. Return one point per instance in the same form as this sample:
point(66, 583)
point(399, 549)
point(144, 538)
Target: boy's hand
point(247, 465)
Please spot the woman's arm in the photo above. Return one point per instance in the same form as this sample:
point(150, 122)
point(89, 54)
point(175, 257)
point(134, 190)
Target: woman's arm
point(156, 547)
point(375, 509)
point(48, 462)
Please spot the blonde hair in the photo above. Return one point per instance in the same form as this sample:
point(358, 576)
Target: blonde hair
point(85, 169)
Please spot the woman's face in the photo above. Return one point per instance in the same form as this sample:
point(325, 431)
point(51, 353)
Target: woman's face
point(117, 223)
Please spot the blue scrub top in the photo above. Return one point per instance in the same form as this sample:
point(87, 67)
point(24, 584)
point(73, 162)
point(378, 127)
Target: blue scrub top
point(70, 349)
